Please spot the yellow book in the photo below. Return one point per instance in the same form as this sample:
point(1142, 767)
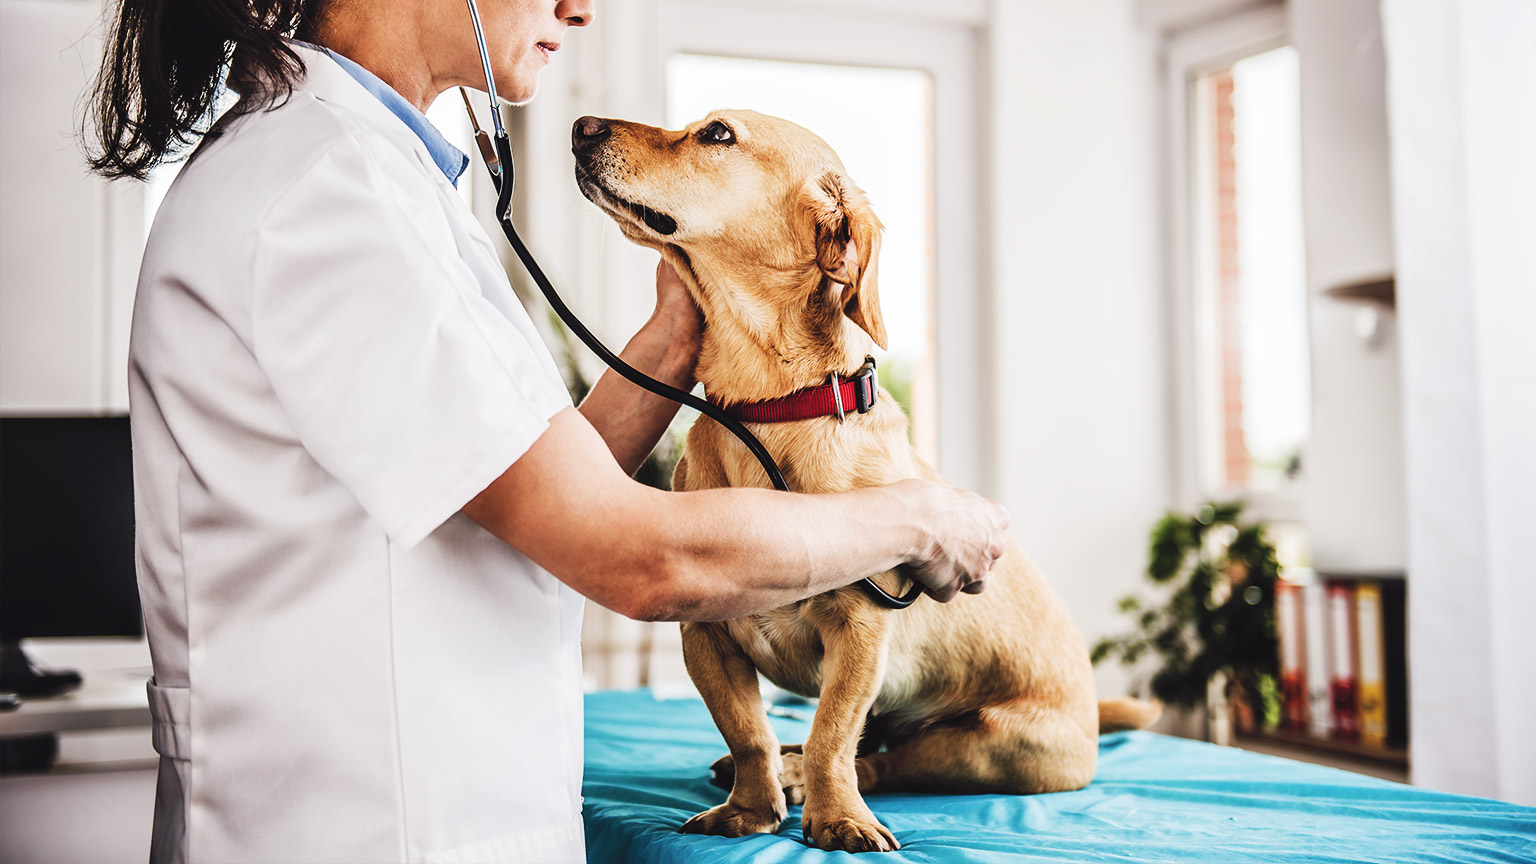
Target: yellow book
point(1373, 673)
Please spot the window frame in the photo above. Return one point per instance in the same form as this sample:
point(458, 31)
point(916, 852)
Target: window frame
point(951, 49)
point(1209, 47)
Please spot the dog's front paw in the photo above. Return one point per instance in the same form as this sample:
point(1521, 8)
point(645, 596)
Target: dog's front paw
point(731, 820)
point(848, 832)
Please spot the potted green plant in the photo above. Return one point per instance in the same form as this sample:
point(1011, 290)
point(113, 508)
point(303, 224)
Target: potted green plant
point(1213, 633)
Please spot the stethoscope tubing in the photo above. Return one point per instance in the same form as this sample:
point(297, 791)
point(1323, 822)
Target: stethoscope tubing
point(613, 360)
point(502, 179)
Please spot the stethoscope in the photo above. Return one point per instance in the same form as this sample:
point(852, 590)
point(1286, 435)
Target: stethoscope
point(496, 150)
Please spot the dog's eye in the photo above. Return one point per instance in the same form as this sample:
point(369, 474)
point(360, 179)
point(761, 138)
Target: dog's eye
point(717, 133)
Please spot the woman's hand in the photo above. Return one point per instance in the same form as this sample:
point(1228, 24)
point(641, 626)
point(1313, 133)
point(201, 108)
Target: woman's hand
point(629, 419)
point(679, 323)
point(965, 539)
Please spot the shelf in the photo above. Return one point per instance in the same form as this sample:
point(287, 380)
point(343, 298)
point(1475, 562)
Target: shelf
point(1396, 757)
point(1323, 575)
point(1382, 291)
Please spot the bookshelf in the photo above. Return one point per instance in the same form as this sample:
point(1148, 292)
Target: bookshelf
point(1396, 757)
point(1389, 764)
point(1343, 664)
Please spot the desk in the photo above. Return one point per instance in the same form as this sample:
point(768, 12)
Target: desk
point(107, 699)
point(103, 725)
point(97, 803)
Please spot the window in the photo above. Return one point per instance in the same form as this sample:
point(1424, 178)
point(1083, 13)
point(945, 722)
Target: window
point(1240, 273)
point(922, 63)
point(1250, 281)
point(885, 142)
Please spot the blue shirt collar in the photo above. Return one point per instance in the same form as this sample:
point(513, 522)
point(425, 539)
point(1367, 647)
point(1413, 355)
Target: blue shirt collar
point(449, 158)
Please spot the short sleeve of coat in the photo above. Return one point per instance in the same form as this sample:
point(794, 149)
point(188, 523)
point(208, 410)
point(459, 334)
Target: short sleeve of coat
point(400, 378)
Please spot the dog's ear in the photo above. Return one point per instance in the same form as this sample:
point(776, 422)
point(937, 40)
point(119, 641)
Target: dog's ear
point(848, 248)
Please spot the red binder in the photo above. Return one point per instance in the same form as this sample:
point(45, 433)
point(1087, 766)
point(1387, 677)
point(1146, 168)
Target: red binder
point(1343, 679)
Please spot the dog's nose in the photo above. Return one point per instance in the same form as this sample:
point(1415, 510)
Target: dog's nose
point(588, 132)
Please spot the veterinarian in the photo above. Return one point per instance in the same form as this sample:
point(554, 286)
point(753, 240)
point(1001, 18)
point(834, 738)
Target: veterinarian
point(367, 510)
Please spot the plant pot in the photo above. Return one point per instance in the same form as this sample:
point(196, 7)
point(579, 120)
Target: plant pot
point(1218, 714)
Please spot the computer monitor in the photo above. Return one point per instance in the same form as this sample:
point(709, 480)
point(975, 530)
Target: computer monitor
point(66, 534)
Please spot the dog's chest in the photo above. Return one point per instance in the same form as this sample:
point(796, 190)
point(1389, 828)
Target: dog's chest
point(784, 647)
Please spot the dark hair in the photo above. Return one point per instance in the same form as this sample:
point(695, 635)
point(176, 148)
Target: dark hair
point(164, 64)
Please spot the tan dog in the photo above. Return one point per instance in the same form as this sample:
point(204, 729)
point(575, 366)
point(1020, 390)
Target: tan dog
point(989, 693)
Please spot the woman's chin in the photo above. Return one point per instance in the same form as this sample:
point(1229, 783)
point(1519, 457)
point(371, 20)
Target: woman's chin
point(520, 90)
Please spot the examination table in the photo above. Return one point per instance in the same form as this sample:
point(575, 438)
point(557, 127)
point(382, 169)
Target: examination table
point(1155, 798)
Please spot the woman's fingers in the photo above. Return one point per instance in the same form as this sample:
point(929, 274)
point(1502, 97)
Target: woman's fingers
point(968, 539)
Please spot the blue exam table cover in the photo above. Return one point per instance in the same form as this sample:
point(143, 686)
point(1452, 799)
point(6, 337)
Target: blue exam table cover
point(1155, 798)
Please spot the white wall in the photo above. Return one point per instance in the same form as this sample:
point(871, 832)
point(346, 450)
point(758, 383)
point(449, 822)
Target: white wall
point(69, 243)
point(1173, 15)
point(1462, 81)
point(1354, 457)
point(1083, 421)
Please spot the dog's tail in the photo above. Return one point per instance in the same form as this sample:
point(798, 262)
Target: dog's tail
point(1119, 715)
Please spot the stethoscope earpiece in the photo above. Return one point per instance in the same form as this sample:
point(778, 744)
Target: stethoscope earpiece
point(490, 79)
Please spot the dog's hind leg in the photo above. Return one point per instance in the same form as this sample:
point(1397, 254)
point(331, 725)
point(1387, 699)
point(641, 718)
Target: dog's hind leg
point(1018, 748)
point(792, 778)
point(727, 680)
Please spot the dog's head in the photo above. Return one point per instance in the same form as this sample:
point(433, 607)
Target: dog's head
point(760, 218)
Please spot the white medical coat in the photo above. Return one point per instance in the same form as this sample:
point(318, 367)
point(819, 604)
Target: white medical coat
point(326, 363)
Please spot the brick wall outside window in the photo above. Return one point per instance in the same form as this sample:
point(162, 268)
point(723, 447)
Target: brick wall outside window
point(1235, 461)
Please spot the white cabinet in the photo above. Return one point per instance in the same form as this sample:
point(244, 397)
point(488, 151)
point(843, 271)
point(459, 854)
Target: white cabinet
point(1355, 494)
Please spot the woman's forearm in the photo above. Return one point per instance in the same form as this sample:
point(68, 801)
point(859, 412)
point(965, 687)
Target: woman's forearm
point(722, 553)
point(629, 419)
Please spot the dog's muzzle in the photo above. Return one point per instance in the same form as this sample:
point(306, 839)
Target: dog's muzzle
point(587, 137)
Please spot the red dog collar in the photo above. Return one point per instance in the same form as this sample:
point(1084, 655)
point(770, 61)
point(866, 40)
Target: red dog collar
point(835, 398)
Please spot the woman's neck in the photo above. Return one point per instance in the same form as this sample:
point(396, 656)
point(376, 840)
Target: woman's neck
point(385, 45)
